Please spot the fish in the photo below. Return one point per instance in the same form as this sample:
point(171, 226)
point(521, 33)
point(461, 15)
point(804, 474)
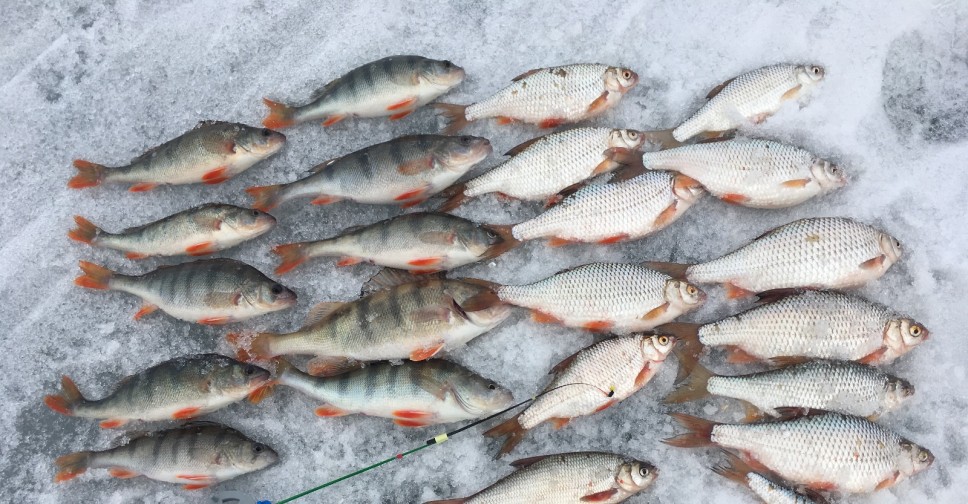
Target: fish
point(826, 452)
point(591, 380)
point(209, 291)
point(391, 87)
point(752, 173)
point(409, 318)
point(606, 297)
point(177, 389)
point(412, 394)
point(615, 211)
point(211, 153)
point(764, 484)
point(548, 97)
point(404, 171)
point(197, 455)
point(541, 167)
point(423, 242)
point(813, 253)
point(751, 98)
point(198, 231)
point(567, 478)
point(836, 386)
point(807, 325)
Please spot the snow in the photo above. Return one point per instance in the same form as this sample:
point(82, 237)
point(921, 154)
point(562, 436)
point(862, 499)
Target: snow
point(106, 81)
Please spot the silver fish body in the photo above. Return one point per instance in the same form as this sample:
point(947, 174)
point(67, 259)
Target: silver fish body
point(568, 478)
point(196, 455)
point(615, 211)
point(750, 97)
point(753, 173)
point(211, 291)
point(620, 298)
point(765, 486)
point(413, 394)
point(197, 231)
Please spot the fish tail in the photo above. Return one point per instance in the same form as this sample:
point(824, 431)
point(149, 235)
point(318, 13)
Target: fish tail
point(511, 430)
point(736, 470)
point(85, 232)
point(94, 277)
point(700, 432)
point(71, 465)
point(290, 255)
point(455, 116)
point(694, 388)
point(89, 174)
point(280, 115)
point(259, 348)
point(508, 241)
point(68, 398)
point(266, 197)
point(689, 350)
point(455, 197)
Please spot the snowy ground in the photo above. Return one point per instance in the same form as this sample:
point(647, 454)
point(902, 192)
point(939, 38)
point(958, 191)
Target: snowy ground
point(106, 82)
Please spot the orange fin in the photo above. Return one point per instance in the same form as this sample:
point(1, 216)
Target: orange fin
point(598, 325)
point(348, 261)
point(512, 430)
point(89, 175)
point(291, 254)
point(666, 216)
point(330, 411)
point(873, 357)
point(266, 197)
point(145, 310)
point(427, 261)
point(792, 92)
point(216, 176)
point(603, 496)
point(122, 473)
point(455, 116)
point(333, 119)
point(94, 277)
point(215, 320)
point(112, 423)
point(544, 318)
point(645, 374)
point(409, 423)
point(416, 166)
point(874, 263)
point(186, 413)
point(504, 121)
point(887, 483)
point(143, 187)
point(700, 432)
point(280, 115)
point(411, 194)
point(734, 292)
point(258, 395)
point(135, 255)
point(411, 414)
point(613, 239)
point(425, 353)
point(693, 389)
point(739, 356)
point(401, 115)
point(551, 123)
point(796, 183)
point(69, 397)
point(200, 249)
point(605, 406)
point(559, 242)
point(71, 465)
point(656, 312)
point(403, 103)
point(85, 232)
point(558, 423)
point(325, 199)
point(412, 203)
point(736, 199)
point(599, 105)
point(194, 486)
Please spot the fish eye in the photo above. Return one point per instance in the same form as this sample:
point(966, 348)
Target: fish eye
point(816, 70)
point(491, 386)
point(448, 64)
point(258, 448)
point(277, 289)
point(643, 471)
point(922, 456)
point(897, 243)
point(663, 340)
point(691, 290)
point(249, 370)
point(466, 140)
point(633, 134)
point(255, 213)
point(916, 331)
point(626, 74)
point(266, 132)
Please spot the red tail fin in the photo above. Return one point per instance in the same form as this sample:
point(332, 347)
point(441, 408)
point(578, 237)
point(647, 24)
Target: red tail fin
point(85, 232)
point(690, 349)
point(508, 241)
point(94, 277)
point(455, 197)
point(68, 398)
point(736, 470)
point(512, 430)
point(71, 465)
point(266, 197)
point(280, 115)
point(456, 119)
point(90, 174)
point(292, 255)
point(694, 387)
point(700, 432)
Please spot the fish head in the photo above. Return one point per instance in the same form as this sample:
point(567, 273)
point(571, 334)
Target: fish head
point(269, 295)
point(243, 455)
point(626, 139)
point(901, 335)
point(620, 80)
point(896, 391)
point(686, 188)
point(249, 222)
point(480, 396)
point(657, 347)
point(809, 75)
point(634, 475)
point(891, 248)
point(442, 73)
point(912, 458)
point(683, 295)
point(463, 152)
point(827, 174)
point(261, 142)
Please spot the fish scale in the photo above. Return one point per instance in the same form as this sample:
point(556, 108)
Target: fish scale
point(629, 209)
point(822, 252)
point(752, 96)
point(772, 493)
point(621, 297)
point(754, 173)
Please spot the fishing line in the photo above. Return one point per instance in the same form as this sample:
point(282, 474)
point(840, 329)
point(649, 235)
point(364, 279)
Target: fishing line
point(438, 439)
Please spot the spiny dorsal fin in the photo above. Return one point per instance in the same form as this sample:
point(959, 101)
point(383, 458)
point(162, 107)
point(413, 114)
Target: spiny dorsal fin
point(206, 122)
point(718, 89)
point(322, 311)
point(326, 89)
point(322, 166)
point(390, 277)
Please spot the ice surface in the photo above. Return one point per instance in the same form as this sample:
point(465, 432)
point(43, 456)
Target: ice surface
point(105, 81)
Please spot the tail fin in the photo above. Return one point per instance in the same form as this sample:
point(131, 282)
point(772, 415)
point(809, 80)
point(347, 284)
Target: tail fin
point(266, 197)
point(508, 241)
point(85, 232)
point(736, 470)
point(688, 352)
point(90, 175)
point(69, 397)
point(292, 255)
point(280, 115)
point(456, 118)
point(700, 432)
point(94, 277)
point(258, 349)
point(675, 270)
point(71, 465)
point(660, 139)
point(694, 387)
point(455, 198)
point(512, 430)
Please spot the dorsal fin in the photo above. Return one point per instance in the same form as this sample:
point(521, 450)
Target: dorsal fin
point(206, 122)
point(774, 295)
point(525, 462)
point(323, 91)
point(718, 89)
point(561, 366)
point(526, 74)
point(322, 166)
point(390, 277)
point(146, 154)
point(517, 149)
point(322, 311)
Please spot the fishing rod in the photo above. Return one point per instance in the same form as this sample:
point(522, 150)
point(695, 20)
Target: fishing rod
point(436, 440)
